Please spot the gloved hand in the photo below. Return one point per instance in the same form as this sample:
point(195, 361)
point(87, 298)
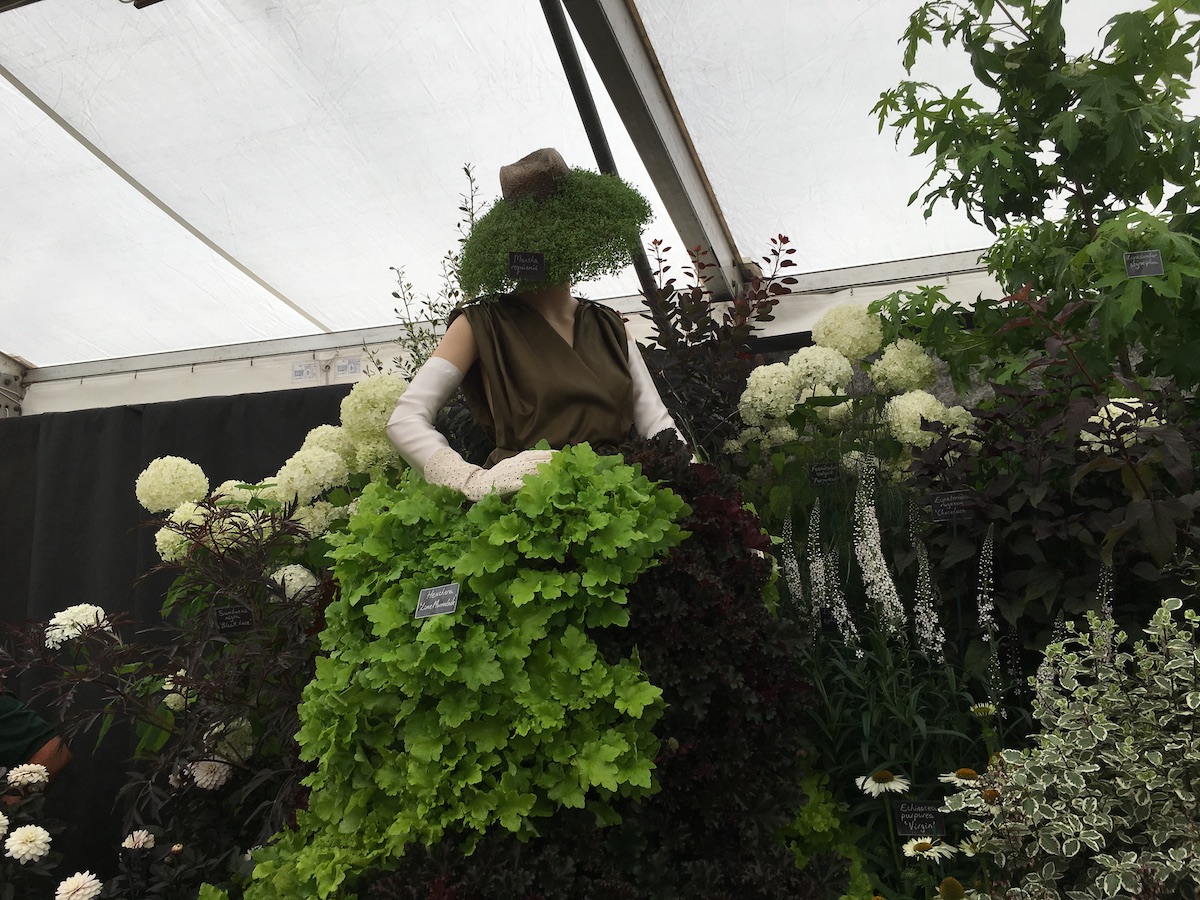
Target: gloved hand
point(447, 468)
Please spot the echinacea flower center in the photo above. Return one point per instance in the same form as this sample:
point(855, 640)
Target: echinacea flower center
point(951, 889)
point(991, 796)
point(922, 846)
point(966, 774)
point(883, 776)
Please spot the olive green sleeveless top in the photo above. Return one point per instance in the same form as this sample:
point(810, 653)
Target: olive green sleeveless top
point(541, 387)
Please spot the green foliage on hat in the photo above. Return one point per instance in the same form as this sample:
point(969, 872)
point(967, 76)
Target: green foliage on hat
point(586, 230)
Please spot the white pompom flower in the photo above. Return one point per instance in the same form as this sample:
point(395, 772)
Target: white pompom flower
point(821, 367)
point(904, 366)
point(178, 696)
point(27, 844)
point(28, 775)
point(770, 394)
point(3, 825)
point(333, 438)
point(169, 481)
point(309, 473)
point(80, 886)
point(851, 330)
point(209, 774)
point(369, 405)
point(170, 544)
point(73, 621)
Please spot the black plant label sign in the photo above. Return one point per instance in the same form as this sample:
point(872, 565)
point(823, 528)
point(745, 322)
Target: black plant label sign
point(1144, 263)
point(915, 818)
point(437, 601)
point(527, 266)
point(823, 473)
point(951, 506)
point(233, 618)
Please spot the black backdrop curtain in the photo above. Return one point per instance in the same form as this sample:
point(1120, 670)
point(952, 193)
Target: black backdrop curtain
point(69, 534)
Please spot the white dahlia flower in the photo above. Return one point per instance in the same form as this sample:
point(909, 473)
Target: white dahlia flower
point(27, 844)
point(80, 886)
point(209, 774)
point(139, 840)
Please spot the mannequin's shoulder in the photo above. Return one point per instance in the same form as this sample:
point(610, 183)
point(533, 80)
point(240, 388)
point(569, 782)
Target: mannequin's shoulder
point(489, 305)
point(603, 312)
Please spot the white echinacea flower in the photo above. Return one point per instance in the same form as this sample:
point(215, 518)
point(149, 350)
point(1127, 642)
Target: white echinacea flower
point(80, 886)
point(928, 848)
point(71, 622)
point(965, 777)
point(882, 782)
point(169, 481)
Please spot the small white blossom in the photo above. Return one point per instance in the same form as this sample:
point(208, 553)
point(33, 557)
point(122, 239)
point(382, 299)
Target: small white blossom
point(169, 481)
point(139, 840)
point(868, 549)
point(297, 582)
point(27, 844)
point(28, 775)
point(849, 329)
point(904, 366)
point(74, 621)
point(80, 886)
point(209, 774)
point(369, 405)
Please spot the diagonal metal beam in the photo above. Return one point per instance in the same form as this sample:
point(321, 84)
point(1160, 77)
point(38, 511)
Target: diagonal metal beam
point(615, 38)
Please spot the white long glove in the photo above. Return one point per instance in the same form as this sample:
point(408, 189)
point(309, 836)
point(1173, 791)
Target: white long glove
point(650, 414)
point(426, 449)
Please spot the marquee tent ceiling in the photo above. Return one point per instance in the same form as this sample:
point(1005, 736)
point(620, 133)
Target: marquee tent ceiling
point(210, 172)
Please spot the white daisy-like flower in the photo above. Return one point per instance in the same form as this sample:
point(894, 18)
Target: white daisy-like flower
point(310, 472)
point(27, 844)
point(169, 481)
point(964, 777)
point(849, 329)
point(983, 710)
point(369, 405)
point(882, 782)
point(968, 846)
point(1117, 425)
point(28, 775)
point(209, 774)
point(298, 583)
point(904, 366)
point(139, 840)
point(74, 621)
point(928, 848)
point(820, 366)
point(80, 886)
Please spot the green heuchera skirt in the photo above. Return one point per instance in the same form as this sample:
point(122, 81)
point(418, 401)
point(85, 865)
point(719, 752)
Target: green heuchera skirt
point(493, 716)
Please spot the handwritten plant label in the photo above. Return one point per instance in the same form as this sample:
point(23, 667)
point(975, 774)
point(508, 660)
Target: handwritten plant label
point(1144, 263)
point(232, 618)
point(527, 266)
point(915, 818)
point(823, 473)
point(437, 601)
point(951, 506)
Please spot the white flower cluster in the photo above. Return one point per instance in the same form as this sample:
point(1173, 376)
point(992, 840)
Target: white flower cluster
point(72, 622)
point(849, 329)
point(28, 775)
point(369, 405)
point(333, 438)
point(820, 367)
point(310, 472)
point(904, 366)
point(868, 549)
point(169, 481)
point(298, 583)
point(904, 413)
point(1117, 425)
point(170, 544)
point(209, 774)
point(231, 741)
point(316, 517)
point(139, 840)
point(80, 886)
point(27, 844)
point(178, 696)
point(931, 637)
point(770, 393)
point(372, 452)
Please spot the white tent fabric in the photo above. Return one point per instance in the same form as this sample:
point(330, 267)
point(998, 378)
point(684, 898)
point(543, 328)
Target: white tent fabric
point(217, 171)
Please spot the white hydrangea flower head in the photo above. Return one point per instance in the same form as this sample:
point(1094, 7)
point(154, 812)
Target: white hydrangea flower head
point(821, 366)
point(298, 583)
point(139, 840)
point(904, 412)
point(232, 740)
point(71, 622)
point(832, 414)
point(309, 473)
point(169, 481)
point(331, 437)
point(371, 453)
point(233, 492)
point(849, 329)
point(315, 517)
point(28, 775)
point(369, 405)
point(27, 844)
point(1117, 425)
point(770, 394)
point(80, 886)
point(904, 366)
point(209, 774)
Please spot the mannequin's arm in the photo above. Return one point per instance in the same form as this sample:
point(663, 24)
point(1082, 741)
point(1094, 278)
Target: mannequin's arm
point(650, 415)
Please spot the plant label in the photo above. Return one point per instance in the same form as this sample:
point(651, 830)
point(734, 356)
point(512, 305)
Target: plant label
point(915, 818)
point(823, 473)
point(527, 266)
point(951, 506)
point(437, 601)
point(1144, 263)
point(233, 618)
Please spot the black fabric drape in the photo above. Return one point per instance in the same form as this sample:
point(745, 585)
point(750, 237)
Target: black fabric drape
point(69, 534)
